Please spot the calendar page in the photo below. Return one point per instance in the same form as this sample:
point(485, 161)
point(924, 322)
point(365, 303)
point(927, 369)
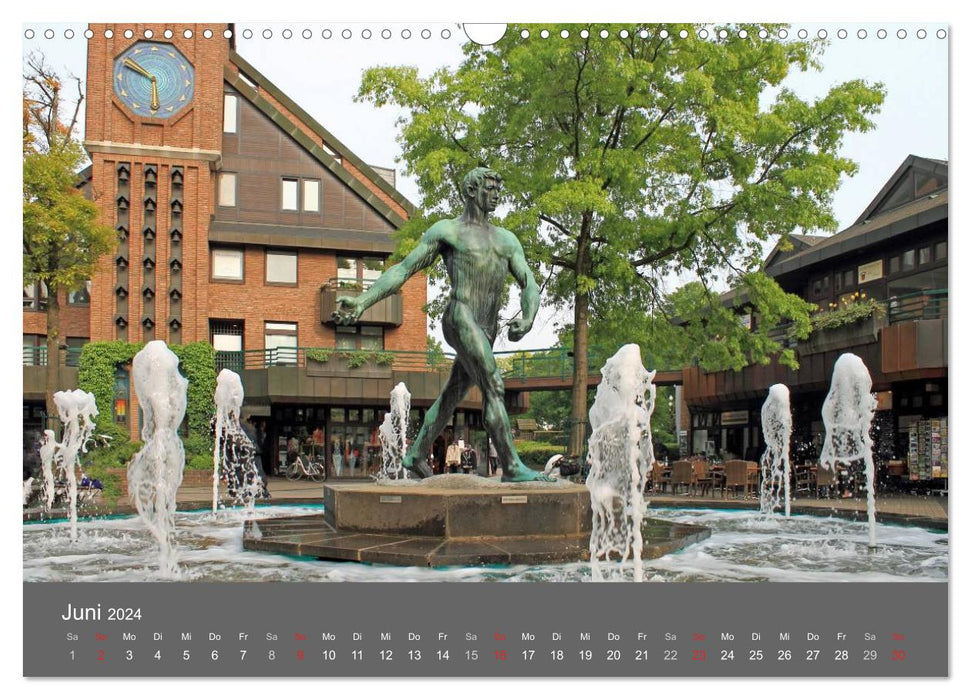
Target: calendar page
point(452, 350)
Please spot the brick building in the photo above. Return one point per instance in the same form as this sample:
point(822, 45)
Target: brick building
point(240, 219)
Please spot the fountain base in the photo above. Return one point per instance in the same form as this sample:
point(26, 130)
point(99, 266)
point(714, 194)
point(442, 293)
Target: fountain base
point(453, 520)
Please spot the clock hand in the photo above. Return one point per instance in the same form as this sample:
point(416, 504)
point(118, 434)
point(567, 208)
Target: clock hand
point(137, 68)
point(154, 94)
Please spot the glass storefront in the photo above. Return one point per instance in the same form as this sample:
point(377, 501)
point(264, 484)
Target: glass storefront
point(346, 438)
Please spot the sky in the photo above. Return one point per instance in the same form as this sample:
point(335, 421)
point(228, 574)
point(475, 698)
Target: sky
point(323, 76)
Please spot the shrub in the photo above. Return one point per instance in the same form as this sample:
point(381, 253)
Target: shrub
point(536, 454)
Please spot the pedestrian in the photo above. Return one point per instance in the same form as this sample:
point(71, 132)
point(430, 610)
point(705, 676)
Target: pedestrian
point(255, 437)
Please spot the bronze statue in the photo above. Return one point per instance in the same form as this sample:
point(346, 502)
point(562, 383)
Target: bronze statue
point(478, 257)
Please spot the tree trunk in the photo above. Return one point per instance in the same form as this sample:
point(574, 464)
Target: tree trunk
point(581, 312)
point(53, 373)
point(578, 403)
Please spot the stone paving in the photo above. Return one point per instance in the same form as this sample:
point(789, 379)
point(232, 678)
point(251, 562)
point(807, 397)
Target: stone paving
point(929, 510)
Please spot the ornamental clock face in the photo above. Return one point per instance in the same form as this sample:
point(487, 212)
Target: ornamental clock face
point(153, 79)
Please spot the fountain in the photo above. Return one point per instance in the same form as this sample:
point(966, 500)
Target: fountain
point(847, 415)
point(77, 410)
point(155, 472)
point(620, 455)
point(234, 454)
point(777, 429)
point(48, 450)
point(394, 435)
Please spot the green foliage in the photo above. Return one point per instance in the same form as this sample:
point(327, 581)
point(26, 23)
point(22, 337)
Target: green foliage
point(110, 455)
point(627, 160)
point(711, 335)
point(353, 358)
point(356, 358)
point(96, 373)
point(858, 310)
point(197, 361)
point(382, 358)
point(436, 353)
point(62, 236)
point(99, 361)
point(536, 454)
point(319, 354)
point(198, 451)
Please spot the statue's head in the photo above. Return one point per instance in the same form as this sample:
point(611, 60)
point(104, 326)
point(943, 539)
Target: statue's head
point(481, 186)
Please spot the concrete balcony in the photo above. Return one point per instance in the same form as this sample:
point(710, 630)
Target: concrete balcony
point(387, 312)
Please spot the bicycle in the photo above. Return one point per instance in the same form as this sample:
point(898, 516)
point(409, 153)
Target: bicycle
point(306, 466)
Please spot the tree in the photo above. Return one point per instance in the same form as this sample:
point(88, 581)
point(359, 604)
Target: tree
point(62, 237)
point(630, 158)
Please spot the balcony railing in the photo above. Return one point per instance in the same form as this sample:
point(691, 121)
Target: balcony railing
point(515, 364)
point(36, 356)
point(551, 363)
point(925, 305)
point(263, 358)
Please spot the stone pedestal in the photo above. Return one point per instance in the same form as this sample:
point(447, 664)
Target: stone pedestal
point(453, 520)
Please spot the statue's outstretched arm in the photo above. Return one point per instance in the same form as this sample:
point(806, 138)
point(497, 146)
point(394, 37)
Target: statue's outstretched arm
point(349, 309)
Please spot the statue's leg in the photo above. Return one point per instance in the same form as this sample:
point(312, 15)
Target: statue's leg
point(474, 351)
point(436, 418)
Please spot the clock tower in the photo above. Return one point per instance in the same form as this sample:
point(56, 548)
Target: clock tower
point(153, 129)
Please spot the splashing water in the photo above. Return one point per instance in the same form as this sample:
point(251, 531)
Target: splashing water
point(744, 546)
point(847, 415)
point(393, 434)
point(234, 454)
point(777, 429)
point(48, 450)
point(77, 410)
point(154, 474)
point(620, 455)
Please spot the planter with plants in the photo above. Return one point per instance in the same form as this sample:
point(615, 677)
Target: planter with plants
point(856, 322)
point(329, 362)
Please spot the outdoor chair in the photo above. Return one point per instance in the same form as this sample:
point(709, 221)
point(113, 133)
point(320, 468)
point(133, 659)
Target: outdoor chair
point(701, 476)
point(737, 476)
point(804, 479)
point(660, 477)
point(681, 475)
point(825, 479)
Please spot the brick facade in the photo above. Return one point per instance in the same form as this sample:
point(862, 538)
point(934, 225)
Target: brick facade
point(197, 136)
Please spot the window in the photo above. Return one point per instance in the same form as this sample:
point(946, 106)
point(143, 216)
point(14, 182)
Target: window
point(940, 251)
point(820, 287)
point(35, 349)
point(281, 267)
point(229, 114)
point(907, 260)
point(311, 195)
point(226, 337)
point(924, 255)
point(35, 296)
point(360, 338)
point(73, 353)
point(280, 341)
point(354, 272)
point(894, 264)
point(227, 264)
point(289, 200)
point(119, 409)
point(80, 297)
point(227, 189)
